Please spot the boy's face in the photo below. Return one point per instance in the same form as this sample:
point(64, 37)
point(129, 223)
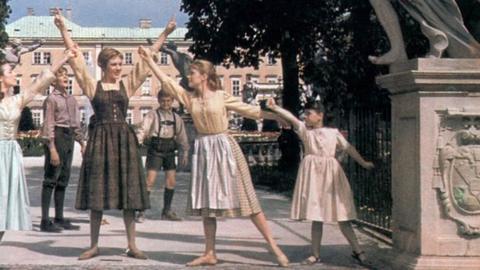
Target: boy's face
point(61, 80)
point(165, 103)
point(313, 118)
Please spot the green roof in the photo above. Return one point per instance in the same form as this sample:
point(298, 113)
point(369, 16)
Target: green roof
point(36, 27)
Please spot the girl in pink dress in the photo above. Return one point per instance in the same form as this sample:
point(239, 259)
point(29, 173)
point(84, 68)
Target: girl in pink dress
point(322, 192)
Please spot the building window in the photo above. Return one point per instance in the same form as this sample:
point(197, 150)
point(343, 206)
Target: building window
point(144, 112)
point(163, 58)
point(69, 88)
point(129, 117)
point(83, 116)
point(254, 79)
point(128, 58)
point(271, 59)
point(34, 77)
point(272, 79)
point(37, 117)
point(42, 58)
point(221, 81)
point(147, 86)
point(88, 57)
point(235, 86)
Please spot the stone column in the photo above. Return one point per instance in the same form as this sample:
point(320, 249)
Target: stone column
point(435, 163)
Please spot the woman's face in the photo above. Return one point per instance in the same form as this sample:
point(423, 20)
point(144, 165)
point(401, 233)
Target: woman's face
point(195, 78)
point(9, 77)
point(114, 68)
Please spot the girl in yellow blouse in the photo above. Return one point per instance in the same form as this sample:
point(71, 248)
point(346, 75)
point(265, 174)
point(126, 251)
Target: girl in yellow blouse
point(221, 185)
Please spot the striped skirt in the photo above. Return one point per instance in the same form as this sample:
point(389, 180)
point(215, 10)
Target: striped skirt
point(221, 184)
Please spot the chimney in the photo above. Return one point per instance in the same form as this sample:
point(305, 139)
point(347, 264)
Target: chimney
point(145, 23)
point(68, 13)
point(30, 11)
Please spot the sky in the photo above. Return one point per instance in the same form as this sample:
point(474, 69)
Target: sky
point(115, 13)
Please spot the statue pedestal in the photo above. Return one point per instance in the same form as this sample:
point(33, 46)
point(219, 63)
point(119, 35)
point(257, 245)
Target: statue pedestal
point(435, 163)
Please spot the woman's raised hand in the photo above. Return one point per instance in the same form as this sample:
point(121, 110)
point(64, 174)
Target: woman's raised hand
point(58, 19)
point(144, 53)
point(171, 25)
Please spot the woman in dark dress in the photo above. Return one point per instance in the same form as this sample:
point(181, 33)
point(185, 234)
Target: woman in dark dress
point(112, 176)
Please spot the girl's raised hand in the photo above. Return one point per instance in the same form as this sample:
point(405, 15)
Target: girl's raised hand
point(171, 25)
point(58, 19)
point(144, 53)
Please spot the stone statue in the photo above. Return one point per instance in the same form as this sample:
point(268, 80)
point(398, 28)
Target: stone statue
point(180, 60)
point(440, 21)
point(15, 49)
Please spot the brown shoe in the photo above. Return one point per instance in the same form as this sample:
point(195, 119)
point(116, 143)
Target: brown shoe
point(170, 215)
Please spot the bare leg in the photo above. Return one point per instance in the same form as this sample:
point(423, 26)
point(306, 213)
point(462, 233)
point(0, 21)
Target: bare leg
point(95, 221)
point(151, 177)
point(209, 257)
point(317, 231)
point(389, 20)
point(129, 220)
point(170, 179)
point(347, 230)
point(261, 223)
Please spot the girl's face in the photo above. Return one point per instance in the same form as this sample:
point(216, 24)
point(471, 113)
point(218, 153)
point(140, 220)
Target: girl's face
point(313, 118)
point(9, 77)
point(114, 68)
point(195, 78)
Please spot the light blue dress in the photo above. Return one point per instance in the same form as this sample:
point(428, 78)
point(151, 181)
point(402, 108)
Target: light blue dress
point(14, 202)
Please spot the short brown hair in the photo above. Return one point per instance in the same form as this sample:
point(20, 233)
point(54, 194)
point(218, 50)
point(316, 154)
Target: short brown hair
point(206, 67)
point(163, 94)
point(105, 55)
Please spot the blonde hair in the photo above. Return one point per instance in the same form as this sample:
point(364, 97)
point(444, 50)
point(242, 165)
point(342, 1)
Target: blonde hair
point(207, 68)
point(105, 55)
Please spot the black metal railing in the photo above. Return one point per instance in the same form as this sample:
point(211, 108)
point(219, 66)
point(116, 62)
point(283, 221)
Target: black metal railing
point(369, 130)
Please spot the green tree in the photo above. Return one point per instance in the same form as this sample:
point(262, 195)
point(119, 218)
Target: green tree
point(241, 32)
point(4, 14)
point(26, 120)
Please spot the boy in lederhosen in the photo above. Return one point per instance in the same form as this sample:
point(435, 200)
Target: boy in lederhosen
point(61, 129)
point(166, 131)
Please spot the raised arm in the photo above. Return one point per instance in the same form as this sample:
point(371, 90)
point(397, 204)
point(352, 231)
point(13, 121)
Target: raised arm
point(169, 85)
point(59, 22)
point(43, 81)
point(171, 25)
point(84, 79)
point(284, 114)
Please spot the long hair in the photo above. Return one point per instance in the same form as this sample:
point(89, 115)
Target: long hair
point(2, 62)
point(206, 67)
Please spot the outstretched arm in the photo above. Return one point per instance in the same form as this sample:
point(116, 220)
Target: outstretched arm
point(44, 80)
point(284, 114)
point(84, 79)
point(352, 152)
point(60, 24)
point(163, 36)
